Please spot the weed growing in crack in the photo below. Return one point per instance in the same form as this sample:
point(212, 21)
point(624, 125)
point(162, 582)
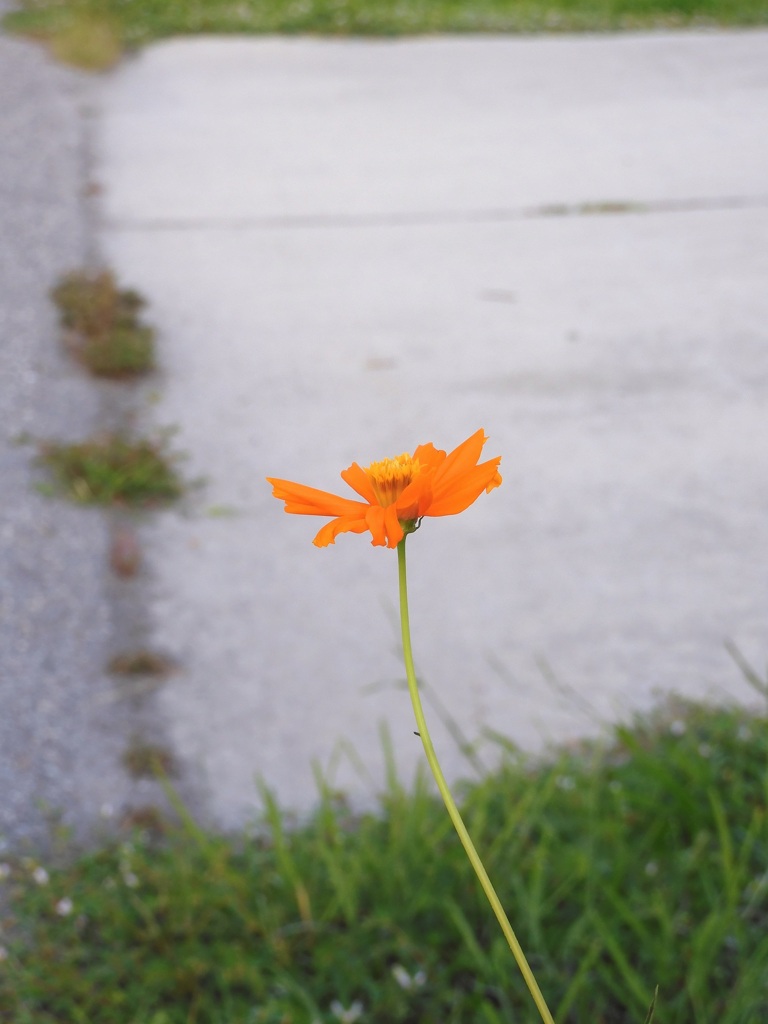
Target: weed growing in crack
point(147, 819)
point(113, 470)
point(148, 760)
point(101, 325)
point(140, 663)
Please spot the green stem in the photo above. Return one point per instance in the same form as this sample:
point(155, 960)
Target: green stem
point(450, 804)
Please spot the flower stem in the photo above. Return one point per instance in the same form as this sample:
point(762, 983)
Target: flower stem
point(453, 811)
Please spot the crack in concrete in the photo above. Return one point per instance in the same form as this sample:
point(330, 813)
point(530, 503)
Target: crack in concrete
point(601, 208)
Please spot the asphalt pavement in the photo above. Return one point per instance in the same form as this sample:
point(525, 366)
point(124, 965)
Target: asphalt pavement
point(64, 722)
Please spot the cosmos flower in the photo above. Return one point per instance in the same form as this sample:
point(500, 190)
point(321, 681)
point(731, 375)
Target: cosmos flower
point(397, 493)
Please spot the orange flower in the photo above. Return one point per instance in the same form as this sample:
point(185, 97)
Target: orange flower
point(397, 492)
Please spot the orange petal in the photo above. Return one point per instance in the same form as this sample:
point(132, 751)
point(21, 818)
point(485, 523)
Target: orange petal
point(358, 480)
point(416, 497)
point(465, 489)
point(428, 455)
point(497, 480)
point(309, 501)
point(344, 524)
point(374, 518)
point(393, 527)
point(460, 460)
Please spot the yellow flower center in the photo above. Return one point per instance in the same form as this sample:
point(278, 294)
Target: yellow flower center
point(390, 477)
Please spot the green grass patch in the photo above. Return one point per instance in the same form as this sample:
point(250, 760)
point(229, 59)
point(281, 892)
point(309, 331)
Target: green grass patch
point(641, 864)
point(113, 470)
point(141, 21)
point(101, 324)
point(88, 41)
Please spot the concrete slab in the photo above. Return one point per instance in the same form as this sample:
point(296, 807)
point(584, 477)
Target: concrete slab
point(352, 248)
point(204, 130)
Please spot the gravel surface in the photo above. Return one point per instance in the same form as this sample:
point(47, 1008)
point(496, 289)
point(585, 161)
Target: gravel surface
point(64, 725)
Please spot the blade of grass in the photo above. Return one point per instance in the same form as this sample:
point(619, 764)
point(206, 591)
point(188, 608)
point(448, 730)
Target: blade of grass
point(652, 1008)
point(635, 985)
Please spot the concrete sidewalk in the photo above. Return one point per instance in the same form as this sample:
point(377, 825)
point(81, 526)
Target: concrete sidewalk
point(351, 248)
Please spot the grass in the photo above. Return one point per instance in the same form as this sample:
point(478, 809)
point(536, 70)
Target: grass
point(88, 41)
point(113, 470)
point(638, 864)
point(102, 327)
point(102, 28)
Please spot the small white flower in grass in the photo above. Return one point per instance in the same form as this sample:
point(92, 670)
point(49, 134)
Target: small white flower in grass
point(744, 733)
point(5, 870)
point(401, 976)
point(40, 875)
point(755, 889)
point(64, 907)
point(347, 1015)
point(406, 980)
point(705, 750)
point(677, 728)
point(565, 782)
point(126, 868)
point(651, 869)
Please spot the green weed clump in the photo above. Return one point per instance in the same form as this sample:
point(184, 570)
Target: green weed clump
point(95, 28)
point(102, 325)
point(113, 470)
point(641, 864)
